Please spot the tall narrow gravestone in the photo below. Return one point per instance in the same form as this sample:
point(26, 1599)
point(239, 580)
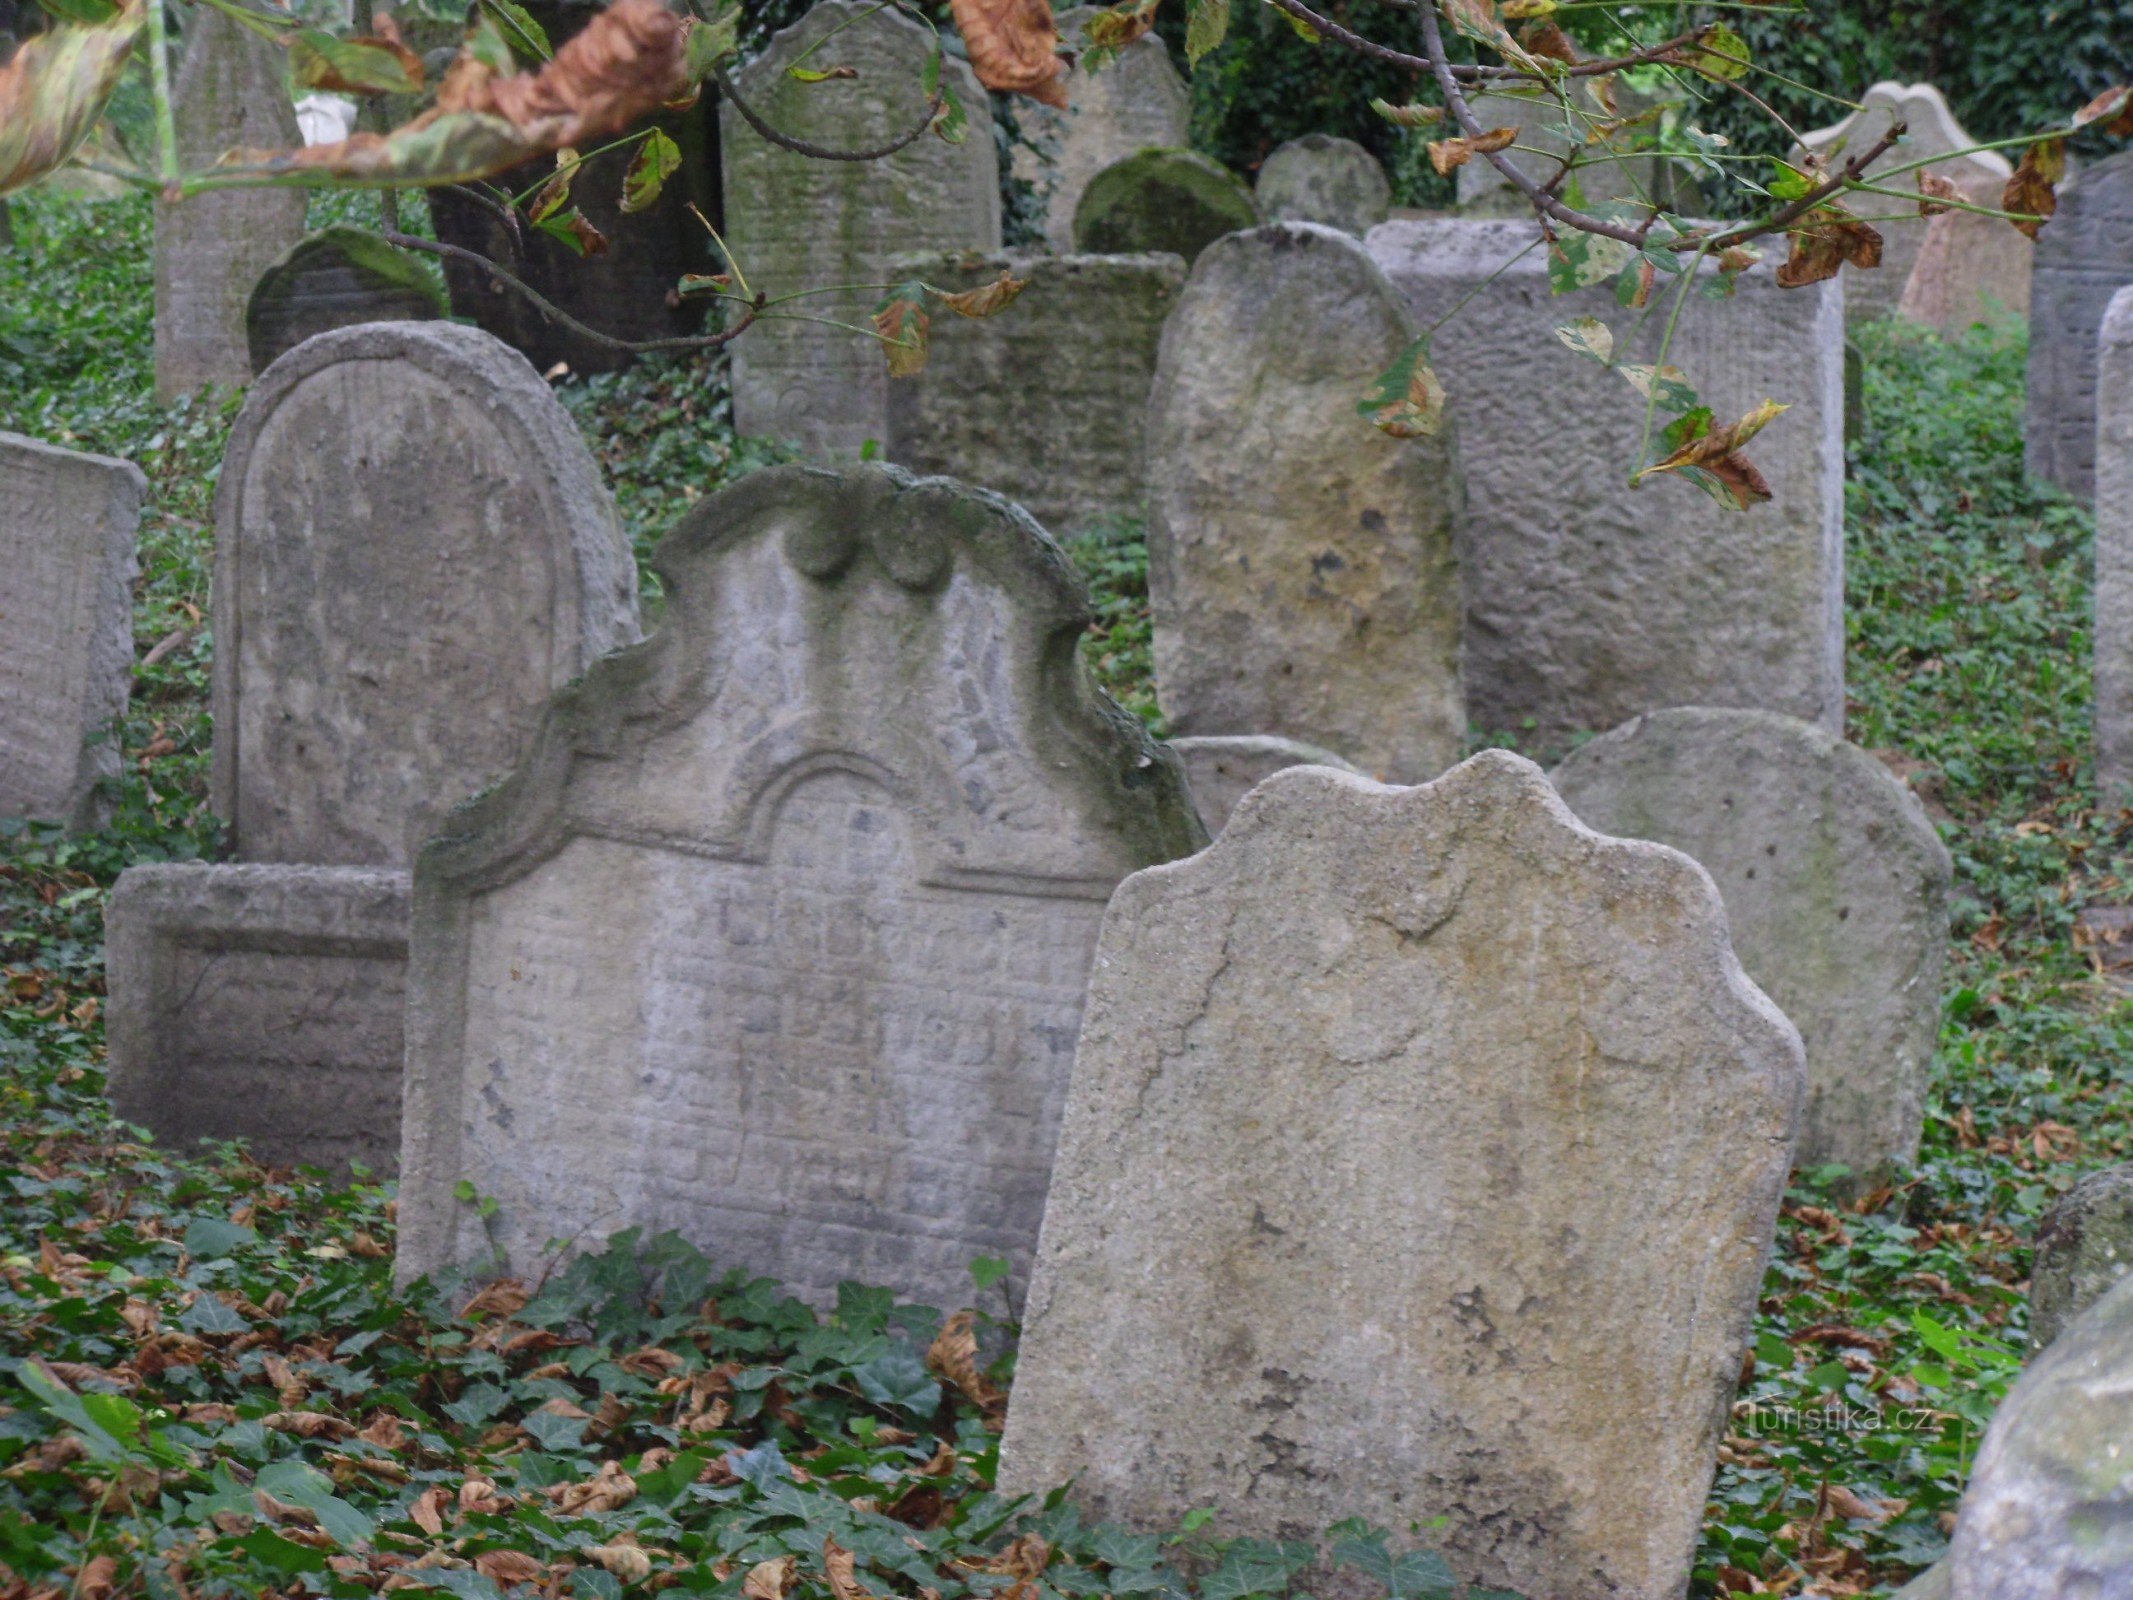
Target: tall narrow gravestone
point(1301, 567)
point(2084, 257)
point(1422, 1161)
point(67, 528)
point(796, 223)
point(780, 937)
point(2114, 552)
point(1836, 887)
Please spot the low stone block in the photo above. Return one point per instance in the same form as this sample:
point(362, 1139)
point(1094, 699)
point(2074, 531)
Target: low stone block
point(337, 278)
point(1222, 770)
point(2084, 1247)
point(1173, 201)
point(1321, 178)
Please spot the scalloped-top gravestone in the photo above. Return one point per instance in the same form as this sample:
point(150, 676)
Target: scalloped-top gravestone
point(780, 937)
point(799, 223)
point(1322, 178)
point(339, 277)
point(1174, 201)
point(1422, 1162)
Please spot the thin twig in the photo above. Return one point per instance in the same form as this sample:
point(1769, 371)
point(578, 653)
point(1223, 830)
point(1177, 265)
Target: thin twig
point(818, 152)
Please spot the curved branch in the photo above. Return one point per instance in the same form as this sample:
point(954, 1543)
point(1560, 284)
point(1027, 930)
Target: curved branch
point(1461, 70)
point(816, 152)
point(508, 215)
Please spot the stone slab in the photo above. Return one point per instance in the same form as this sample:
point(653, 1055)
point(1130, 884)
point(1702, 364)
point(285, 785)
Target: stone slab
point(2084, 257)
point(1322, 178)
point(1422, 1161)
point(339, 277)
point(1222, 770)
point(2084, 1247)
point(2112, 469)
point(1970, 268)
point(1173, 201)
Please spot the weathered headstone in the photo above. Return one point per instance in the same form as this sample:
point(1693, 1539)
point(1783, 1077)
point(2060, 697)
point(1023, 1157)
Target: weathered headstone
point(1836, 886)
point(1587, 601)
point(1970, 268)
point(780, 938)
point(1048, 402)
point(2112, 469)
point(413, 547)
point(1422, 1161)
point(231, 94)
point(2084, 257)
point(1932, 134)
point(337, 278)
point(2084, 1247)
point(1301, 568)
point(67, 528)
point(1176, 201)
point(1136, 101)
point(1321, 178)
point(262, 1003)
point(2049, 1511)
point(797, 223)
point(1222, 770)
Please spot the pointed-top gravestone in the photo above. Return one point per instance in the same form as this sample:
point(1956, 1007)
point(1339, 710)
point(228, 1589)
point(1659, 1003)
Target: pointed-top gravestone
point(2084, 257)
point(413, 548)
point(780, 937)
point(1320, 178)
point(1421, 1165)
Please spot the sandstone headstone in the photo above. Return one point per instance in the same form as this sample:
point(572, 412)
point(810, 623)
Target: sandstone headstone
point(798, 223)
point(1047, 403)
point(261, 1003)
point(2084, 1246)
point(337, 278)
point(780, 938)
point(1321, 178)
point(1836, 887)
point(1301, 568)
point(1135, 101)
point(413, 547)
point(1222, 770)
point(1587, 601)
point(1176, 201)
point(1422, 1161)
point(2112, 469)
point(231, 94)
point(68, 522)
point(1970, 268)
point(2049, 1511)
point(2084, 257)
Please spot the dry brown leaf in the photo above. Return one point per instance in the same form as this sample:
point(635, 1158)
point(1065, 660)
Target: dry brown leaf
point(97, 1580)
point(626, 1561)
point(841, 1567)
point(1823, 242)
point(609, 1489)
point(1932, 191)
point(770, 1580)
point(1448, 155)
point(384, 1431)
point(309, 1424)
point(506, 1297)
point(2115, 103)
point(954, 1355)
point(509, 1566)
point(1546, 38)
point(2032, 193)
point(1024, 1560)
point(281, 1511)
point(427, 1513)
point(987, 298)
point(482, 1498)
point(1014, 47)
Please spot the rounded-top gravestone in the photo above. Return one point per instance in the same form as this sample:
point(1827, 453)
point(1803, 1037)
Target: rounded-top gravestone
point(2084, 1246)
point(1167, 200)
point(339, 277)
point(1323, 178)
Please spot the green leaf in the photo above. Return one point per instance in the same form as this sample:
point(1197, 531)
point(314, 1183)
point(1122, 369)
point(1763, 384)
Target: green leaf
point(281, 1555)
point(210, 1316)
point(487, 43)
point(318, 60)
point(213, 1239)
point(1206, 25)
point(1408, 401)
point(898, 1377)
point(953, 123)
point(987, 1271)
point(657, 160)
point(1720, 53)
point(1304, 30)
point(710, 42)
point(518, 23)
point(66, 1405)
point(820, 74)
point(301, 1484)
point(1790, 183)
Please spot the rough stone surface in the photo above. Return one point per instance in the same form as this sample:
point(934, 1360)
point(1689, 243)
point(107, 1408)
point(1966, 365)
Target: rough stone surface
point(781, 937)
point(1587, 601)
point(339, 277)
point(67, 528)
point(231, 94)
point(2049, 1511)
point(1301, 568)
point(1970, 268)
point(1136, 101)
point(260, 1003)
point(2084, 1246)
point(1836, 887)
point(1048, 403)
point(1176, 201)
point(1222, 770)
point(2113, 483)
point(797, 223)
point(413, 547)
point(2084, 257)
point(1321, 178)
point(1422, 1160)
point(1932, 134)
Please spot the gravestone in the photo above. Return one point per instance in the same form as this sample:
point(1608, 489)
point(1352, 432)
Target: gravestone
point(1047, 403)
point(68, 522)
point(1174, 201)
point(797, 223)
point(339, 277)
point(2084, 1247)
point(1321, 178)
point(1836, 887)
point(1301, 570)
point(231, 94)
point(1135, 101)
point(1422, 1160)
point(2084, 257)
point(1588, 601)
point(1222, 770)
point(1932, 134)
point(1970, 268)
point(2112, 468)
point(781, 936)
point(413, 547)
point(262, 1003)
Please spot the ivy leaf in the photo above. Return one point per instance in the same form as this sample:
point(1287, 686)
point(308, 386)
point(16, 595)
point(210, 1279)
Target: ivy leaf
point(1206, 26)
point(901, 322)
point(2032, 193)
point(657, 160)
point(1408, 402)
point(53, 90)
point(213, 1239)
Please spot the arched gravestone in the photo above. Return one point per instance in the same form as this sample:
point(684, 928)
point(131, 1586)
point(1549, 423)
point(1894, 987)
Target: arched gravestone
point(1174, 201)
point(2084, 257)
point(780, 937)
point(339, 277)
point(413, 548)
point(797, 223)
point(1321, 178)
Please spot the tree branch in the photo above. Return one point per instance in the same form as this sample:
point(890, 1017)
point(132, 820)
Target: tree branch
point(818, 152)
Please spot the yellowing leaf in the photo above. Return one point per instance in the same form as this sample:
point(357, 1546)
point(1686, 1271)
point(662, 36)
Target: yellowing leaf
point(1408, 402)
point(706, 44)
point(1408, 116)
point(2032, 193)
point(821, 74)
point(657, 160)
point(381, 64)
point(572, 230)
point(901, 323)
point(1711, 456)
point(1112, 30)
point(54, 89)
point(987, 298)
point(1447, 155)
point(1589, 336)
point(2116, 103)
point(1718, 53)
point(553, 195)
point(1014, 47)
point(1206, 26)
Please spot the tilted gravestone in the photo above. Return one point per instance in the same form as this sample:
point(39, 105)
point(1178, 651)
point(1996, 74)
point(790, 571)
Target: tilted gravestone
point(780, 937)
point(1047, 402)
point(413, 548)
point(2084, 257)
point(1422, 1161)
point(1970, 269)
point(1175, 201)
point(2113, 480)
point(1222, 770)
point(1588, 601)
point(339, 277)
point(1301, 569)
point(68, 523)
point(231, 94)
point(1320, 178)
point(2084, 1247)
point(796, 223)
point(1836, 886)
